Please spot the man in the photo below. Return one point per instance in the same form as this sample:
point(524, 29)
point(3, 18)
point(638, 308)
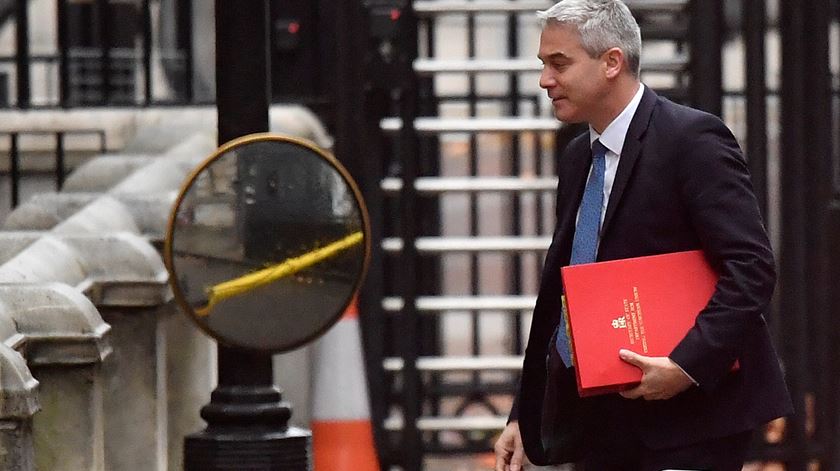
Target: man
point(650, 177)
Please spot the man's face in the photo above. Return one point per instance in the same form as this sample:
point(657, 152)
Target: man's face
point(575, 82)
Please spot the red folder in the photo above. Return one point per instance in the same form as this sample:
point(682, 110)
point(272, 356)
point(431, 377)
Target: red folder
point(644, 304)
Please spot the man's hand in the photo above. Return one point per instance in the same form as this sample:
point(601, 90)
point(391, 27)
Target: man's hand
point(661, 377)
point(510, 456)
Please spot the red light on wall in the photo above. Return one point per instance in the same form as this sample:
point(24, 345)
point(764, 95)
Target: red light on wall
point(395, 14)
point(294, 27)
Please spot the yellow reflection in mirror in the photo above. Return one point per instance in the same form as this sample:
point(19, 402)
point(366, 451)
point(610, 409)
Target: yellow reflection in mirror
point(252, 281)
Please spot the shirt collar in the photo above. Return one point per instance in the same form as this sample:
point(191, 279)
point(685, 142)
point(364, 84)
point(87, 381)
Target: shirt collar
point(613, 136)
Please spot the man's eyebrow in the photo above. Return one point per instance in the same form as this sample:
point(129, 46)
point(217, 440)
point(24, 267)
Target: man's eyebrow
point(553, 56)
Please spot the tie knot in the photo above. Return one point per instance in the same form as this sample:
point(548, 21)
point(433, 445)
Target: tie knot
point(598, 150)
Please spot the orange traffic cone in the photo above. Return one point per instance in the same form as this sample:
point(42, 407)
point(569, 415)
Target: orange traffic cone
point(342, 436)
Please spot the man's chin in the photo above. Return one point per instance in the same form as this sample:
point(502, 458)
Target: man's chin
point(567, 118)
point(566, 115)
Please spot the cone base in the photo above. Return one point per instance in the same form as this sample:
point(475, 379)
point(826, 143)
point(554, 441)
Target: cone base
point(344, 446)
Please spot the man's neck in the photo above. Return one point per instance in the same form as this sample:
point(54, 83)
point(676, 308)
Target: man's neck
point(616, 100)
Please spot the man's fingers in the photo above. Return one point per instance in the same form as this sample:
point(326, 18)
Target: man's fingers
point(502, 456)
point(500, 461)
point(518, 458)
point(502, 453)
point(633, 358)
point(506, 446)
point(634, 393)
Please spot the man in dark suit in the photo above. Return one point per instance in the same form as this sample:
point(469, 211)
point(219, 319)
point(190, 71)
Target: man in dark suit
point(650, 177)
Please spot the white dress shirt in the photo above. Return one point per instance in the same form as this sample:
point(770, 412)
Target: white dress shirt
point(613, 139)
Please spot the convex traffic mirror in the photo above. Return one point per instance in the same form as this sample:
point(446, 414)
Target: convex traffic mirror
point(267, 243)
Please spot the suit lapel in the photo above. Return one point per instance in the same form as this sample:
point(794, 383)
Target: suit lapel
point(630, 153)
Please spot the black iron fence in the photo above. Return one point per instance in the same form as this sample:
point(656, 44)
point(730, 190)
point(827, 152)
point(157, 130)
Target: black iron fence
point(151, 53)
point(101, 53)
point(47, 143)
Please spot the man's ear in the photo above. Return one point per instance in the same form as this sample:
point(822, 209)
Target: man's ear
point(614, 62)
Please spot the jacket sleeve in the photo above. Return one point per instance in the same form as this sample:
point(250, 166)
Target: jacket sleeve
point(514, 409)
point(718, 193)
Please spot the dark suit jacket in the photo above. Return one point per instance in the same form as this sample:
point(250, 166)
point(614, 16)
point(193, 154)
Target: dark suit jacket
point(681, 184)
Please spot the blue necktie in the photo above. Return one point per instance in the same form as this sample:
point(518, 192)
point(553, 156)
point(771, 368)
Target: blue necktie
point(585, 242)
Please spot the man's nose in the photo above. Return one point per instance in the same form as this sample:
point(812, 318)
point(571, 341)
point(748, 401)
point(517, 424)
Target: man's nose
point(546, 80)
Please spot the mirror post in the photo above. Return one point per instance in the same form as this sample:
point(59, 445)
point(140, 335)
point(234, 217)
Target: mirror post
point(247, 423)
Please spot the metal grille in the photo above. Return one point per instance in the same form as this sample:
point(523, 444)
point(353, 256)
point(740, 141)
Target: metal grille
point(86, 86)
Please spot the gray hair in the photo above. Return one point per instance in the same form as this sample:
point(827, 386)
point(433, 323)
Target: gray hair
point(602, 25)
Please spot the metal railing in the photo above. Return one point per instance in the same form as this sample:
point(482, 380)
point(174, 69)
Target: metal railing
point(101, 71)
point(59, 138)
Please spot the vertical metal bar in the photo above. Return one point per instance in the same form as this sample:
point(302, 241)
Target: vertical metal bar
point(516, 170)
point(818, 103)
point(242, 110)
point(186, 44)
point(836, 101)
point(832, 461)
point(63, 46)
point(412, 443)
point(706, 33)
point(103, 142)
point(59, 160)
point(754, 28)
point(473, 218)
point(22, 54)
point(832, 232)
point(793, 261)
point(818, 193)
point(358, 142)
point(14, 169)
point(103, 14)
point(473, 197)
point(245, 391)
point(429, 106)
point(147, 51)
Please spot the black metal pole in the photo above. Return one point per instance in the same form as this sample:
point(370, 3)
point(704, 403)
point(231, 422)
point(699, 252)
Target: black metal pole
point(103, 142)
point(832, 231)
point(706, 35)
point(63, 65)
point(473, 220)
point(22, 54)
point(793, 273)
point(359, 108)
point(59, 160)
point(832, 462)
point(147, 51)
point(430, 153)
point(754, 28)
point(412, 443)
point(247, 424)
point(185, 42)
point(14, 168)
point(103, 14)
point(818, 193)
point(517, 260)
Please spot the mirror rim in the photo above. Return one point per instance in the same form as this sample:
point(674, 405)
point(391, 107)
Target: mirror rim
point(168, 257)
